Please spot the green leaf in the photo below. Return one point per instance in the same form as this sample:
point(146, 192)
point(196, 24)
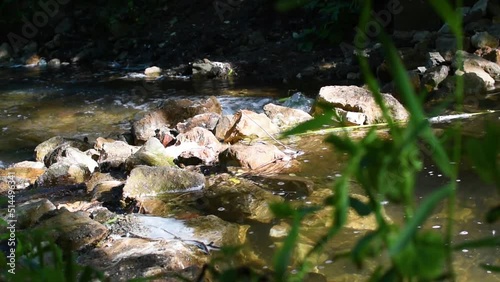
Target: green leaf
point(422, 213)
point(316, 123)
point(493, 268)
point(493, 215)
point(282, 210)
point(480, 243)
point(423, 258)
point(361, 208)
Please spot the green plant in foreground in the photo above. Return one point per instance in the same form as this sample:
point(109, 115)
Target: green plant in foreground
point(386, 169)
point(39, 258)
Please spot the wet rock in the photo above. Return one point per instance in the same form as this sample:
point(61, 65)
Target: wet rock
point(70, 155)
point(484, 39)
point(63, 173)
point(51, 144)
point(207, 120)
point(115, 153)
point(223, 126)
point(280, 230)
point(145, 181)
point(170, 113)
point(98, 178)
point(474, 86)
point(285, 117)
point(5, 52)
point(108, 191)
point(126, 259)
point(248, 124)
point(30, 212)
point(236, 199)
point(153, 71)
point(54, 63)
point(19, 177)
point(74, 231)
point(210, 69)
point(257, 158)
point(359, 100)
point(493, 56)
point(434, 76)
point(474, 64)
point(200, 146)
point(146, 127)
point(152, 153)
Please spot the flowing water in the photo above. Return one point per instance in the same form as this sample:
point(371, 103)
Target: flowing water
point(36, 104)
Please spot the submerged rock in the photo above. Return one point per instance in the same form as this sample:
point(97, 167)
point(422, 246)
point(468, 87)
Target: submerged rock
point(359, 100)
point(126, 259)
point(72, 230)
point(257, 158)
point(145, 181)
point(236, 199)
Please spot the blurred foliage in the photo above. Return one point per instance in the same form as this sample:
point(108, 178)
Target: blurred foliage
point(39, 258)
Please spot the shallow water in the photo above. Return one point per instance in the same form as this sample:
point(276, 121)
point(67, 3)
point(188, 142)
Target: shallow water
point(38, 104)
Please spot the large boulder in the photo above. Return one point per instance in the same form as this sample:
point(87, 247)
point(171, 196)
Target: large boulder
point(145, 181)
point(169, 114)
point(359, 100)
point(72, 230)
point(247, 124)
point(285, 117)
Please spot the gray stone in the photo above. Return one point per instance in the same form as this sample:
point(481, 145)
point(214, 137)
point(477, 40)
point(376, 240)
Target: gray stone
point(434, 59)
point(145, 181)
point(488, 71)
point(48, 146)
point(54, 63)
